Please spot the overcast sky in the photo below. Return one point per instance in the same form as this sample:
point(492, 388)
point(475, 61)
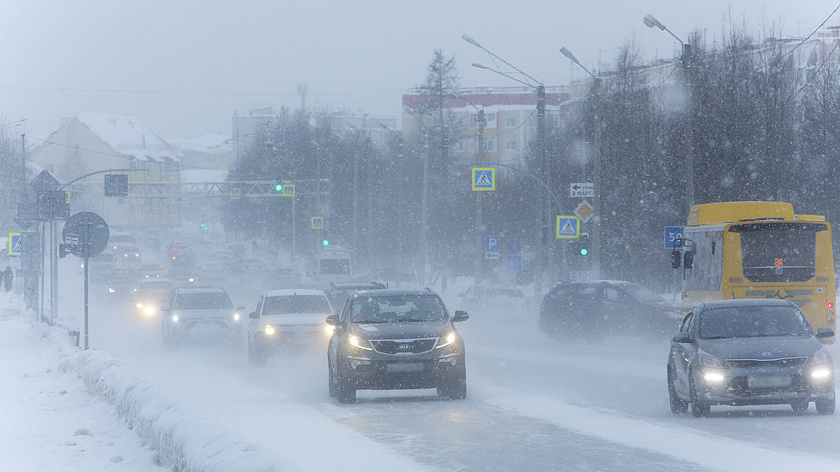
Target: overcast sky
point(183, 66)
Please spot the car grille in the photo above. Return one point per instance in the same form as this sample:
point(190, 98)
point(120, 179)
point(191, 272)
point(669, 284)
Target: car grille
point(787, 362)
point(403, 346)
point(300, 327)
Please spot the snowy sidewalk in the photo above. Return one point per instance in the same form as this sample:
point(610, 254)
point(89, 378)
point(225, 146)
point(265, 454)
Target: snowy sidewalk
point(48, 419)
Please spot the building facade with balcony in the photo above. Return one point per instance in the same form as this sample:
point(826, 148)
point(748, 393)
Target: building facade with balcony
point(510, 120)
point(96, 142)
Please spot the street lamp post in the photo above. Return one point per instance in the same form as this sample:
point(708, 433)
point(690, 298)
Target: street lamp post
point(596, 126)
point(544, 165)
point(651, 22)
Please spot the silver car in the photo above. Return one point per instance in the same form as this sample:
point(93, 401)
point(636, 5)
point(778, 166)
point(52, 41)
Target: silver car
point(749, 352)
point(201, 315)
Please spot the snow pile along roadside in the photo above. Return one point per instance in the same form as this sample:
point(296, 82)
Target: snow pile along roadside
point(183, 438)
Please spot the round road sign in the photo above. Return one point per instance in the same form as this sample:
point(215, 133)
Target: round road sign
point(86, 234)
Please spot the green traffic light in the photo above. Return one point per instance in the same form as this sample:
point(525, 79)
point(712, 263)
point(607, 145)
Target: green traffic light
point(325, 242)
point(278, 187)
point(584, 252)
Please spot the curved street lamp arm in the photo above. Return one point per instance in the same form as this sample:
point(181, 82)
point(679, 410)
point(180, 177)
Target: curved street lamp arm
point(92, 173)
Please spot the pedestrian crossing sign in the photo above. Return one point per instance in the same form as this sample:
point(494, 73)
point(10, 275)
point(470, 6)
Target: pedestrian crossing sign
point(483, 178)
point(568, 227)
point(14, 244)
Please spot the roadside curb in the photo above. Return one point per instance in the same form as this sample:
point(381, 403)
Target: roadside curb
point(183, 439)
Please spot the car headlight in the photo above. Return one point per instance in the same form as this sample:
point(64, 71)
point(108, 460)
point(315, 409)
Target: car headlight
point(329, 329)
point(360, 343)
point(820, 357)
point(236, 317)
point(111, 289)
point(269, 330)
point(175, 318)
point(444, 341)
point(709, 360)
point(139, 305)
point(150, 310)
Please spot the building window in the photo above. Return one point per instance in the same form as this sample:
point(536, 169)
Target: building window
point(489, 144)
point(489, 120)
point(510, 122)
point(510, 145)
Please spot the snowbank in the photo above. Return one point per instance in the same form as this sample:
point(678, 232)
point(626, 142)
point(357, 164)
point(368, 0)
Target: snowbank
point(184, 439)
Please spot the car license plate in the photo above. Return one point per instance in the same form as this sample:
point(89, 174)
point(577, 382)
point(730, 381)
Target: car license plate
point(405, 368)
point(772, 381)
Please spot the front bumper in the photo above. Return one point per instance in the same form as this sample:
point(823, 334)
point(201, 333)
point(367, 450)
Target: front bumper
point(764, 385)
point(205, 328)
point(390, 372)
point(291, 336)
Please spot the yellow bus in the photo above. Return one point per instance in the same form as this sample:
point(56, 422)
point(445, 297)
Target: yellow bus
point(758, 250)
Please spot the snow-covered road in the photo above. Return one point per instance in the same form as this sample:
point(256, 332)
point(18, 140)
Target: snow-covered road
point(533, 404)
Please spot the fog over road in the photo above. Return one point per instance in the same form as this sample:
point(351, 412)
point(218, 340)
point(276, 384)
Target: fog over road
point(533, 403)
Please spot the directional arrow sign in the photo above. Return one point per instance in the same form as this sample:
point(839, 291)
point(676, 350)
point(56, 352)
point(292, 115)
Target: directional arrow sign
point(582, 189)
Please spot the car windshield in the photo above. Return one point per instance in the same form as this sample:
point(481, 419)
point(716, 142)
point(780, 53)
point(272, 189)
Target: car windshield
point(202, 301)
point(752, 321)
point(150, 286)
point(642, 294)
point(335, 266)
point(290, 304)
point(398, 308)
point(503, 293)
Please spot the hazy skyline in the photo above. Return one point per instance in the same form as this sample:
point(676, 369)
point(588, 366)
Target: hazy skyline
point(184, 67)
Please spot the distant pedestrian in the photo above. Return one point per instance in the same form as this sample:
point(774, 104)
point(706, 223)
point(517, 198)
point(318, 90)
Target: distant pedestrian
point(8, 277)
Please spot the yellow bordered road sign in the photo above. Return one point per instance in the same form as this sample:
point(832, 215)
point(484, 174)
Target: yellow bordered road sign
point(568, 227)
point(483, 178)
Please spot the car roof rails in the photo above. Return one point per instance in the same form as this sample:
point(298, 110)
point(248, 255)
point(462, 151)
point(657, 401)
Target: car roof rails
point(428, 289)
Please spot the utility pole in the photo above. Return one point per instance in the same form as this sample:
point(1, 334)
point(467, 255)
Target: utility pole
point(689, 128)
point(479, 248)
point(596, 223)
point(545, 205)
point(424, 218)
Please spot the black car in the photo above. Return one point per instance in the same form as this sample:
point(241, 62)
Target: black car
point(593, 309)
point(396, 339)
point(749, 352)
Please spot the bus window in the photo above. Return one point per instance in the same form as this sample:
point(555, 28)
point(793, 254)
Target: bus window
point(778, 252)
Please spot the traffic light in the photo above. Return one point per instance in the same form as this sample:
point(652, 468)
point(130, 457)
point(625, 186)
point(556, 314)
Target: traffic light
point(325, 242)
point(278, 184)
point(584, 244)
point(203, 226)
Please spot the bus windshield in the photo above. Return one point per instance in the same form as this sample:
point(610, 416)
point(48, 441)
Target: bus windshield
point(778, 252)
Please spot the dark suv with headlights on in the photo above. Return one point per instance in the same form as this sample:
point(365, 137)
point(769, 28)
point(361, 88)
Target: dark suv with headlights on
point(749, 352)
point(396, 339)
point(200, 315)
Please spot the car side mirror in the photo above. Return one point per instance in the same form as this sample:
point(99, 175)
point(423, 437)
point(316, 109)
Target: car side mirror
point(681, 338)
point(254, 315)
point(333, 320)
point(823, 333)
point(164, 308)
point(460, 315)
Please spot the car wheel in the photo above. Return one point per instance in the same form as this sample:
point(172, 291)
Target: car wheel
point(800, 406)
point(458, 388)
point(678, 405)
point(254, 355)
point(698, 408)
point(825, 407)
point(346, 391)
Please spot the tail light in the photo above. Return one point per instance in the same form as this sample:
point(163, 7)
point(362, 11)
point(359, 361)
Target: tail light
point(829, 306)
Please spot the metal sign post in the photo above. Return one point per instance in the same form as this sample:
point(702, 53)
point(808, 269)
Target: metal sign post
point(86, 235)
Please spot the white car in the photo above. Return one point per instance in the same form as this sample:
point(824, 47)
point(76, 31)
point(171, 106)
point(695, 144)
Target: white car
point(287, 318)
